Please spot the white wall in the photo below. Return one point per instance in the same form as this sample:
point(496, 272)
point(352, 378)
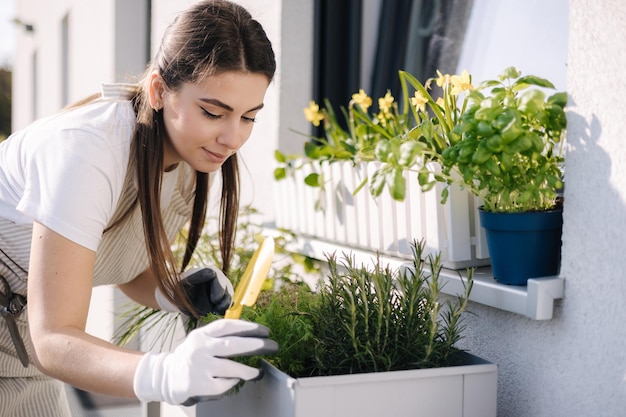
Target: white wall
point(575, 364)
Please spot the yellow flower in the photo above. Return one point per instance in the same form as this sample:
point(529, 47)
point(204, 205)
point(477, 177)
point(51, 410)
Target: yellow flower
point(313, 114)
point(440, 102)
point(385, 103)
point(382, 119)
point(442, 79)
point(419, 101)
point(362, 99)
point(461, 83)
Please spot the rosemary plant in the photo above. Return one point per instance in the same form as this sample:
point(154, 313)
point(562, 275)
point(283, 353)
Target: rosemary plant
point(373, 320)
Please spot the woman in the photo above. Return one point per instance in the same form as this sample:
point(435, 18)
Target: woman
point(96, 194)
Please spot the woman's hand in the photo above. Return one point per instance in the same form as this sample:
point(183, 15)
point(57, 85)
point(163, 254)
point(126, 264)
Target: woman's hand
point(208, 290)
point(199, 368)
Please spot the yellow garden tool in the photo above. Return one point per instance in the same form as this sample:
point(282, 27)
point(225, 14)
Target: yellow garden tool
point(252, 279)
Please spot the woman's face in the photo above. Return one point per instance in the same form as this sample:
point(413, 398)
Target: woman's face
point(209, 121)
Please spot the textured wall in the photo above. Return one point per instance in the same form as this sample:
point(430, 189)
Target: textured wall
point(575, 364)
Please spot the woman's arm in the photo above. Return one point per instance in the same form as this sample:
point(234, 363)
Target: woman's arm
point(141, 289)
point(59, 289)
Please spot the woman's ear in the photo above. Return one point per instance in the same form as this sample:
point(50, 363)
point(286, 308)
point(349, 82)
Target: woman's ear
point(155, 91)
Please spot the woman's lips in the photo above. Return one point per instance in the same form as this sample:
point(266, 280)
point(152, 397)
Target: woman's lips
point(215, 157)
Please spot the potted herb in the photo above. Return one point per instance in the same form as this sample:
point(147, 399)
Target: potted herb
point(376, 342)
point(507, 149)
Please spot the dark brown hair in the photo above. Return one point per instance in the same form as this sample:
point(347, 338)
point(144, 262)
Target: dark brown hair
point(211, 37)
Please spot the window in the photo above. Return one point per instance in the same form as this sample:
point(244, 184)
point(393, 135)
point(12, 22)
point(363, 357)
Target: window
point(363, 44)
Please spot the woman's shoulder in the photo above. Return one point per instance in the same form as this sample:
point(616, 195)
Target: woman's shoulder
point(109, 118)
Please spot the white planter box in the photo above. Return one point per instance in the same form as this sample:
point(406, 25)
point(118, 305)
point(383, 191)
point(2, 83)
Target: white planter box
point(468, 390)
point(382, 225)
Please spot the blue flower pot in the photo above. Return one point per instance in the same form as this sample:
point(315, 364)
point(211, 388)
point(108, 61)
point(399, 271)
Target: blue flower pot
point(523, 245)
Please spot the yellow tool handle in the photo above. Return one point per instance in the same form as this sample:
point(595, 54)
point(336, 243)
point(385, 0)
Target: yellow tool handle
point(252, 279)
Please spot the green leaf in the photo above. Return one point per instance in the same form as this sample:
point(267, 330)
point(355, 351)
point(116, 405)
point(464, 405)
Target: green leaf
point(481, 155)
point(377, 183)
point(559, 99)
point(397, 184)
point(280, 173)
point(493, 167)
point(494, 143)
point(312, 180)
point(532, 101)
point(423, 177)
point(408, 153)
point(312, 150)
point(533, 80)
point(484, 128)
point(511, 131)
point(510, 73)
point(383, 150)
point(279, 156)
point(444, 195)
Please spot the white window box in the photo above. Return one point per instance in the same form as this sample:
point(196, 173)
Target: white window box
point(468, 390)
point(382, 224)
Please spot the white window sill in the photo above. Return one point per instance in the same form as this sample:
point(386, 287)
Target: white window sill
point(535, 301)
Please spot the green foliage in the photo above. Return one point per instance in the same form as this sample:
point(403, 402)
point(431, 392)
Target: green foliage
point(502, 141)
point(363, 320)
point(507, 147)
point(400, 139)
point(374, 320)
point(287, 313)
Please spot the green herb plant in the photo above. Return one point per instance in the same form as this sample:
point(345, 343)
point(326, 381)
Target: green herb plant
point(507, 147)
point(363, 319)
point(374, 320)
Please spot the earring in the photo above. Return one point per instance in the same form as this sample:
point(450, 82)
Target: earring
point(157, 106)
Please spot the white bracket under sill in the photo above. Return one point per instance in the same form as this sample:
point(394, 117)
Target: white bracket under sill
point(535, 300)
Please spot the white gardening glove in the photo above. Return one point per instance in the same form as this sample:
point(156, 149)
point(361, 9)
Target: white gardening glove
point(208, 290)
point(198, 369)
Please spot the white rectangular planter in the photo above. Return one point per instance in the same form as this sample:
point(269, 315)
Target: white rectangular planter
point(382, 224)
point(468, 390)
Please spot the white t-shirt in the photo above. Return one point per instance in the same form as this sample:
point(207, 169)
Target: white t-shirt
point(67, 171)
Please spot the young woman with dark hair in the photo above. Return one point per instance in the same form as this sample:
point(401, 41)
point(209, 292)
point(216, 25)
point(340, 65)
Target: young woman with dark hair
point(96, 194)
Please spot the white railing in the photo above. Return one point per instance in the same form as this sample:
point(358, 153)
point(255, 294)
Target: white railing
point(382, 224)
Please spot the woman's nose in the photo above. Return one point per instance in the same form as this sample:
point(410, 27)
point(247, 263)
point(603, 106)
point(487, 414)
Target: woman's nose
point(231, 137)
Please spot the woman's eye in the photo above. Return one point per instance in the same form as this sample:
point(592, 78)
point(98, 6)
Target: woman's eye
point(210, 115)
point(249, 119)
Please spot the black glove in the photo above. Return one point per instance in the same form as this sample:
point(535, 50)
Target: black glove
point(208, 290)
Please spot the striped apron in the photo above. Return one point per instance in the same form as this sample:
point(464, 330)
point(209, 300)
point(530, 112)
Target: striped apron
point(121, 256)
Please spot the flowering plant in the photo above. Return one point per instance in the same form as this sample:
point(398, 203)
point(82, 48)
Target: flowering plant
point(400, 139)
point(503, 140)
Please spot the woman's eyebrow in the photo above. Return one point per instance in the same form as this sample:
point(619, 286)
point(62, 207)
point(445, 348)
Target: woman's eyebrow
point(225, 106)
